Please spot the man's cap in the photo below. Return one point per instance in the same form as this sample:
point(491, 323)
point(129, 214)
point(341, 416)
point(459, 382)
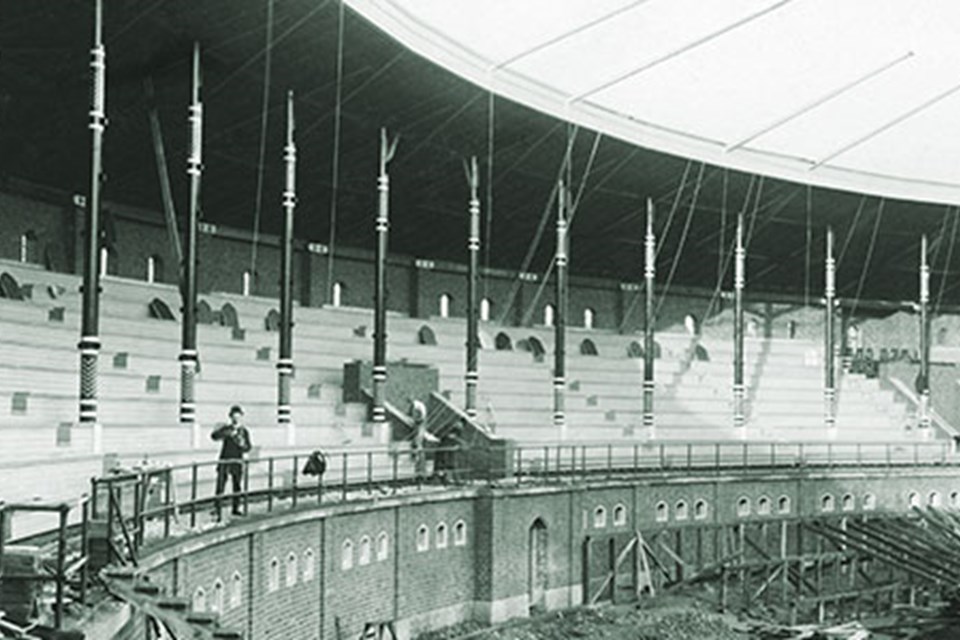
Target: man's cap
point(236, 409)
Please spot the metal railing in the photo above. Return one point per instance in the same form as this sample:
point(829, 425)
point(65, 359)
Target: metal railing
point(62, 574)
point(142, 505)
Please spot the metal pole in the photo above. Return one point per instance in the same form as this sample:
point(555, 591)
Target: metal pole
point(285, 361)
point(649, 319)
point(924, 386)
point(560, 322)
point(829, 366)
point(89, 345)
point(188, 285)
point(473, 248)
point(738, 284)
point(387, 150)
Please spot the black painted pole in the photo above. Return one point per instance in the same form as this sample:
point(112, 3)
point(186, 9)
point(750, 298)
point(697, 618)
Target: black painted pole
point(473, 248)
point(829, 364)
point(649, 320)
point(89, 345)
point(285, 360)
point(924, 387)
point(387, 149)
point(560, 321)
point(188, 286)
point(739, 280)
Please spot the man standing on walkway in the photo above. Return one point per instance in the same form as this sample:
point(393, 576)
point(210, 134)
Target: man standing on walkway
point(235, 442)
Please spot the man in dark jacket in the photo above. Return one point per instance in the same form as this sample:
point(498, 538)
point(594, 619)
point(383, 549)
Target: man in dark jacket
point(235, 442)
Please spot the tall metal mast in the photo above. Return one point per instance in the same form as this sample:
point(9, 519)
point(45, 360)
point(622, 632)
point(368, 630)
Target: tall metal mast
point(188, 286)
point(285, 361)
point(89, 345)
point(829, 365)
point(924, 387)
point(649, 321)
point(387, 150)
point(739, 280)
point(560, 322)
point(473, 248)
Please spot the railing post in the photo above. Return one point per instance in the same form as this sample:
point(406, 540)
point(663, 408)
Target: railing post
point(293, 485)
point(663, 457)
point(94, 485)
point(889, 457)
point(546, 461)
point(745, 457)
point(689, 456)
point(84, 547)
point(168, 477)
point(773, 454)
point(394, 462)
point(800, 455)
point(636, 458)
point(716, 455)
point(916, 453)
point(609, 461)
point(109, 522)
point(583, 460)
point(270, 484)
point(246, 486)
point(343, 488)
point(61, 567)
point(829, 454)
point(519, 465)
point(369, 472)
point(139, 491)
point(193, 495)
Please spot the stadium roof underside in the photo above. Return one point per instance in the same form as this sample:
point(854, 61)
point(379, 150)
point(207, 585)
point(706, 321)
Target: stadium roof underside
point(709, 108)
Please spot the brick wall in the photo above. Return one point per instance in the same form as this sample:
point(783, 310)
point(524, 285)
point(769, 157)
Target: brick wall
point(388, 571)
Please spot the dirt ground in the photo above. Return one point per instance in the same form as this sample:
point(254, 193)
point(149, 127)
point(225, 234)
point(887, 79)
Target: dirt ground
point(659, 619)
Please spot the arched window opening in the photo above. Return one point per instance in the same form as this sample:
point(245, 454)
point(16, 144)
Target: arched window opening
point(485, 306)
point(827, 503)
point(445, 305)
point(273, 576)
point(236, 590)
point(105, 261)
point(291, 575)
point(662, 512)
point(309, 565)
point(847, 503)
point(365, 552)
point(691, 325)
point(619, 515)
point(869, 502)
point(913, 500)
point(934, 499)
point(588, 318)
point(247, 283)
point(599, 517)
point(460, 533)
point(700, 510)
point(955, 499)
point(218, 597)
point(548, 313)
point(442, 535)
point(680, 511)
point(783, 504)
point(423, 538)
point(346, 555)
point(763, 506)
point(743, 507)
point(383, 546)
point(154, 269)
point(336, 295)
point(199, 600)
point(28, 247)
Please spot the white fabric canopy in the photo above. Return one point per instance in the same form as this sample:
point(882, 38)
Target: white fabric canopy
point(861, 95)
